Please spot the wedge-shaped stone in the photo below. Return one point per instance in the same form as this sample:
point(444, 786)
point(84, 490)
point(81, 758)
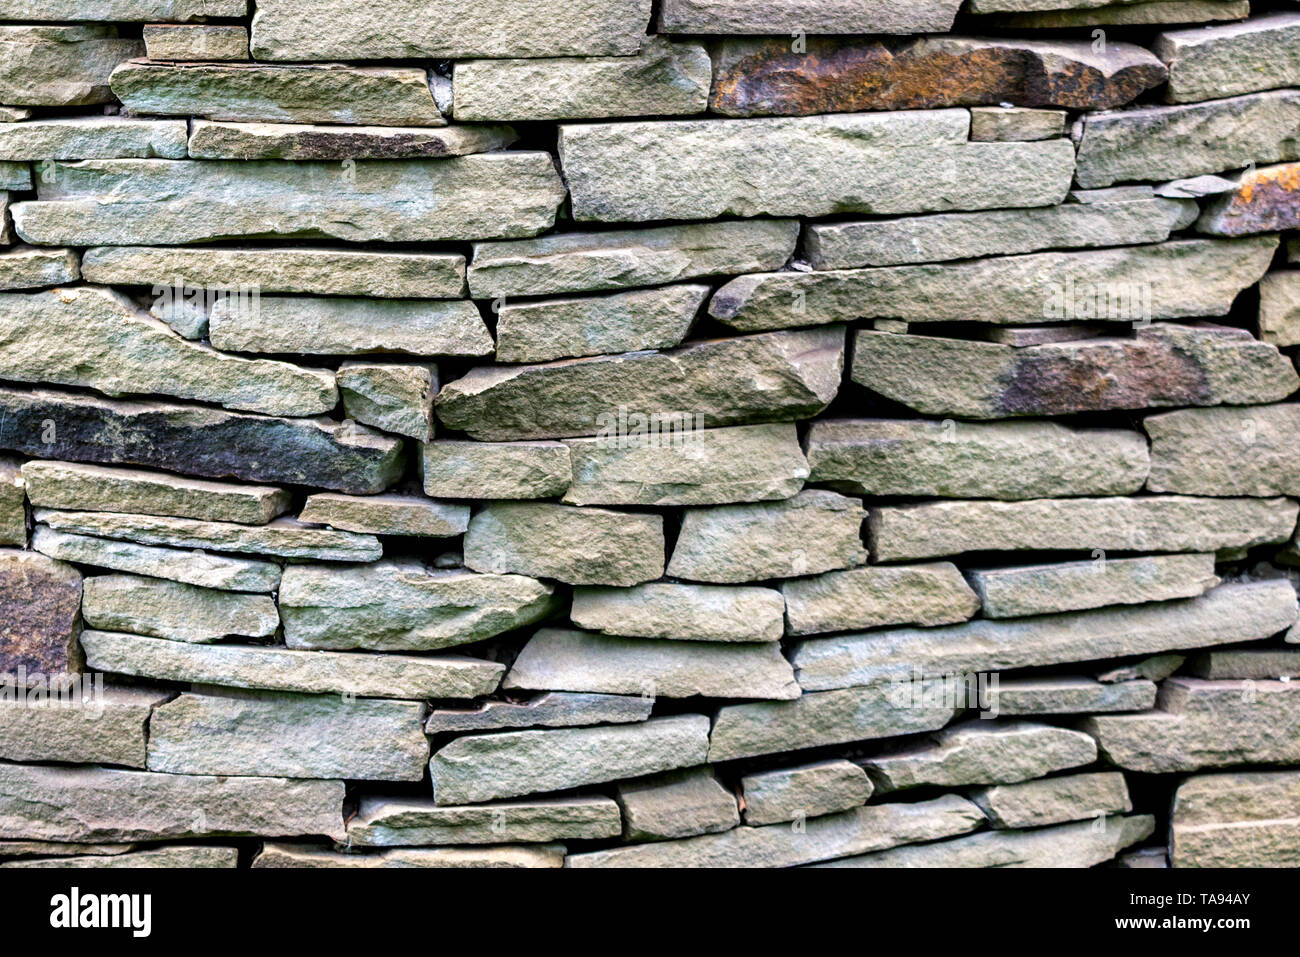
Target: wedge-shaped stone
point(324, 272)
point(1211, 62)
point(1246, 819)
point(1151, 524)
point(933, 594)
point(404, 605)
point(26, 267)
point(200, 441)
point(1162, 365)
point(196, 42)
point(785, 16)
point(100, 804)
point(96, 337)
point(386, 514)
point(1019, 696)
point(1261, 663)
point(282, 669)
point(765, 77)
point(302, 93)
point(260, 733)
point(478, 768)
point(298, 856)
point(1227, 614)
point(1129, 284)
point(487, 470)
point(1265, 200)
point(165, 609)
point(1279, 308)
point(1228, 451)
point(814, 532)
point(676, 804)
point(1070, 586)
point(166, 11)
point(106, 725)
point(810, 790)
point(1000, 124)
point(981, 752)
point(92, 137)
point(407, 822)
point(1155, 143)
point(299, 141)
point(1078, 845)
point(555, 709)
point(390, 29)
point(283, 538)
point(781, 376)
point(169, 856)
point(594, 325)
point(712, 466)
point(996, 232)
point(620, 259)
point(907, 162)
point(1128, 13)
point(836, 717)
point(59, 65)
point(1002, 460)
point(663, 79)
point(1073, 797)
point(111, 202)
point(1152, 668)
point(578, 546)
point(557, 659)
point(779, 845)
point(40, 615)
point(390, 396)
point(679, 611)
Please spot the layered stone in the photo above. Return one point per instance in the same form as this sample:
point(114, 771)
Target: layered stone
point(166, 11)
point(1265, 200)
point(680, 611)
point(391, 396)
point(386, 514)
point(92, 137)
point(1279, 308)
point(166, 609)
point(554, 709)
point(835, 16)
point(495, 470)
point(676, 804)
point(1073, 797)
point(61, 65)
point(1227, 451)
point(1212, 62)
point(304, 141)
point(26, 267)
point(406, 822)
point(999, 124)
point(1128, 13)
point(170, 856)
point(13, 499)
point(299, 857)
point(1021, 696)
point(869, 597)
point(40, 615)
point(806, 791)
point(1246, 819)
point(1260, 663)
point(196, 42)
point(103, 725)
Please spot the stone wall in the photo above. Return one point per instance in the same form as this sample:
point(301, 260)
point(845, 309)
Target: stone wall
point(566, 432)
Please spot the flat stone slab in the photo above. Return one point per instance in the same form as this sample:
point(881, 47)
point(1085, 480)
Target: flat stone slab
point(386, 514)
point(1020, 696)
point(307, 141)
point(1126, 13)
point(806, 791)
point(40, 614)
point(407, 822)
point(1244, 819)
point(680, 611)
point(676, 804)
point(60, 65)
point(298, 856)
point(168, 11)
point(101, 725)
point(554, 709)
point(26, 267)
point(393, 397)
point(171, 856)
point(786, 16)
point(1072, 797)
point(495, 470)
point(1261, 663)
point(92, 137)
point(869, 597)
point(1232, 58)
point(165, 609)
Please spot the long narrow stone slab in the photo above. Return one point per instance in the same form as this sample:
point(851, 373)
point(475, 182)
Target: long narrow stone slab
point(1023, 696)
point(798, 793)
point(61, 65)
point(675, 804)
point(392, 396)
point(298, 856)
point(105, 726)
point(495, 470)
point(393, 822)
point(196, 42)
point(305, 141)
point(1234, 58)
point(1128, 13)
point(1227, 451)
point(1262, 663)
point(679, 611)
point(13, 503)
point(1057, 800)
point(791, 16)
point(1279, 308)
point(932, 594)
point(394, 514)
point(92, 137)
point(554, 709)
point(1243, 819)
point(162, 11)
point(164, 609)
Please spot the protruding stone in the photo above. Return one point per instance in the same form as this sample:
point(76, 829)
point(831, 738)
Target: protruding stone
point(92, 137)
point(303, 141)
point(1212, 62)
point(390, 396)
point(386, 514)
point(26, 267)
point(554, 709)
point(679, 611)
point(1246, 819)
point(1279, 308)
point(60, 65)
point(40, 615)
point(1127, 13)
point(785, 16)
point(1001, 124)
point(164, 609)
point(97, 726)
point(149, 11)
point(1021, 696)
point(1265, 200)
point(398, 822)
point(298, 856)
point(1225, 451)
point(500, 470)
point(676, 804)
point(172, 855)
point(196, 42)
point(933, 594)
point(1073, 797)
point(807, 791)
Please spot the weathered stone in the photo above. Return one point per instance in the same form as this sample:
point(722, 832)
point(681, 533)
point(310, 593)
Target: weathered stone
point(595, 325)
point(663, 79)
point(814, 532)
point(165, 609)
point(1156, 857)
point(389, 29)
point(478, 768)
point(1080, 845)
point(1129, 284)
point(1246, 819)
point(1150, 524)
point(1128, 13)
point(263, 733)
point(786, 16)
point(1211, 62)
point(13, 510)
point(488, 470)
point(746, 463)
point(1162, 365)
point(196, 42)
point(933, 594)
point(281, 669)
point(1265, 200)
point(763, 378)
point(679, 611)
point(981, 752)
point(1156, 143)
point(620, 259)
point(299, 141)
point(1279, 308)
point(14, 114)
point(297, 856)
point(1226, 451)
point(302, 93)
point(1073, 797)
point(398, 822)
point(324, 272)
point(995, 232)
point(94, 488)
point(166, 11)
point(26, 267)
point(1002, 124)
point(1070, 586)
point(676, 804)
point(386, 514)
point(170, 856)
point(92, 137)
point(778, 845)
point(111, 202)
point(99, 726)
point(1001, 460)
point(199, 440)
point(1227, 614)
point(1195, 187)
point(554, 709)
point(1153, 668)
point(40, 615)
point(766, 77)
point(906, 162)
point(1018, 696)
point(390, 396)
point(404, 605)
point(579, 546)
point(101, 804)
point(835, 717)
point(96, 337)
point(1260, 664)
point(557, 659)
point(60, 65)
point(807, 791)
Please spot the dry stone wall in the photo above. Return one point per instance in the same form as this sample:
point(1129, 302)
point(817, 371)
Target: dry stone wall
point(601, 433)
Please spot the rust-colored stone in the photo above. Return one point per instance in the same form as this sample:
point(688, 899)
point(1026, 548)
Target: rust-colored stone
point(765, 77)
point(1266, 200)
point(40, 615)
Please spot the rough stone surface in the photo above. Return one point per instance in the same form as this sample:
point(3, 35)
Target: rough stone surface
point(106, 726)
point(172, 856)
point(304, 141)
point(386, 514)
point(495, 470)
point(164, 609)
point(831, 16)
point(76, 138)
point(1057, 800)
point(167, 11)
point(1227, 451)
point(297, 856)
point(1019, 696)
point(1247, 819)
point(1128, 13)
point(554, 709)
point(1265, 200)
point(1247, 663)
point(933, 594)
point(1209, 63)
point(810, 790)
point(25, 267)
point(676, 804)
point(397, 822)
point(40, 615)
point(998, 124)
point(390, 396)
point(681, 611)
point(196, 42)
point(60, 65)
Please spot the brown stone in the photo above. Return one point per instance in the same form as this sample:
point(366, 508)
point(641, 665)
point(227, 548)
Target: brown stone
point(1266, 200)
point(40, 615)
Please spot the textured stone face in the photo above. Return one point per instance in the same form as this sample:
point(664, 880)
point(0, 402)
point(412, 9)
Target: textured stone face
point(29, 268)
point(390, 396)
point(150, 606)
point(933, 594)
point(998, 124)
point(806, 791)
point(1249, 450)
point(679, 611)
point(301, 141)
point(40, 615)
point(1021, 696)
point(1054, 800)
point(386, 514)
point(495, 470)
point(676, 804)
point(13, 508)
point(196, 42)
point(554, 709)
point(167, 11)
point(1265, 200)
point(109, 137)
point(60, 66)
point(1208, 63)
point(1246, 819)
point(298, 856)
point(172, 856)
point(388, 822)
point(785, 16)
point(1279, 308)
point(110, 729)
point(1247, 663)
point(1129, 13)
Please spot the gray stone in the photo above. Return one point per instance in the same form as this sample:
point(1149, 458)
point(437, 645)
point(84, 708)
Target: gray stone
point(791, 16)
point(390, 396)
point(502, 470)
point(1212, 62)
point(676, 804)
point(1279, 308)
point(478, 768)
point(170, 856)
point(40, 616)
point(99, 725)
point(166, 609)
point(297, 856)
point(1247, 663)
point(557, 659)
point(1154, 668)
point(1246, 819)
point(386, 514)
point(196, 42)
point(809, 790)
point(166, 11)
point(814, 532)
point(1073, 797)
point(869, 597)
point(26, 267)
point(1019, 696)
point(304, 141)
point(60, 65)
point(398, 822)
point(92, 137)
point(13, 508)
point(1225, 451)
point(1126, 13)
point(680, 611)
point(1015, 124)
point(554, 709)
